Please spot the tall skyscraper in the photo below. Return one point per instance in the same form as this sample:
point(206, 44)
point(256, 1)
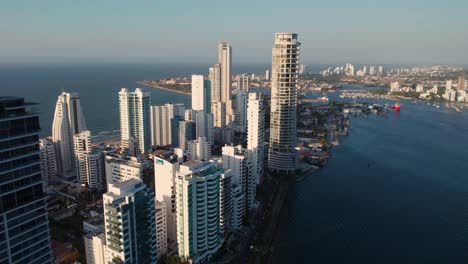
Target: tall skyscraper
point(267, 75)
point(162, 124)
point(255, 143)
point(24, 225)
point(204, 124)
point(135, 128)
point(201, 94)
point(219, 114)
point(198, 212)
point(68, 121)
point(241, 109)
point(90, 165)
point(224, 59)
point(129, 210)
point(187, 132)
point(282, 153)
point(48, 160)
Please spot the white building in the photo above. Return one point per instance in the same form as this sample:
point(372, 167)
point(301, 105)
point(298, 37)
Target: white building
point(161, 122)
point(198, 197)
point(419, 88)
point(224, 59)
point(68, 121)
point(201, 94)
point(234, 159)
point(199, 149)
point(129, 210)
point(215, 82)
point(219, 114)
point(394, 87)
point(380, 70)
point(371, 70)
point(243, 82)
point(267, 75)
point(255, 138)
point(95, 244)
point(161, 228)
point(48, 161)
point(282, 153)
point(166, 166)
point(135, 128)
point(89, 162)
point(204, 125)
point(119, 168)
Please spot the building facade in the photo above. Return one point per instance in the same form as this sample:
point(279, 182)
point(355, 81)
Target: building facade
point(282, 155)
point(24, 224)
point(48, 160)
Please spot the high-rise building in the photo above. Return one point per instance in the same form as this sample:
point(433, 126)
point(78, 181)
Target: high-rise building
point(24, 224)
point(68, 121)
point(267, 75)
point(187, 132)
point(135, 128)
point(235, 159)
point(238, 207)
point(161, 228)
point(129, 210)
point(255, 142)
point(282, 154)
point(215, 81)
point(199, 149)
point(380, 70)
point(241, 110)
point(201, 94)
point(219, 114)
point(162, 124)
point(372, 70)
point(204, 125)
point(224, 59)
point(166, 166)
point(243, 82)
point(198, 197)
point(461, 83)
point(48, 160)
point(89, 162)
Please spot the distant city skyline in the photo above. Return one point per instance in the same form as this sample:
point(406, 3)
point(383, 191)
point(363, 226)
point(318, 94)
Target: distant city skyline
point(335, 32)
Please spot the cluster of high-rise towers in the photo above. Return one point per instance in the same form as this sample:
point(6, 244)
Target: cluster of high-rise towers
point(165, 193)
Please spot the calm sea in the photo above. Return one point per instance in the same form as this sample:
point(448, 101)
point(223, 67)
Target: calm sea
point(395, 191)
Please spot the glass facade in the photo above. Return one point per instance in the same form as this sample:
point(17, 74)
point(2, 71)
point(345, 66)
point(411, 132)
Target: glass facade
point(24, 229)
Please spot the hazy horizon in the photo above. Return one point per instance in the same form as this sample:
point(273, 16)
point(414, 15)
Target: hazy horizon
point(360, 32)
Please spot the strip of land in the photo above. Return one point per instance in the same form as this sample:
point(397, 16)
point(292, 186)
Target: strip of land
point(165, 88)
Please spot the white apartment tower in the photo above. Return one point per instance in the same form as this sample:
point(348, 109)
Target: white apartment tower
point(48, 160)
point(89, 162)
point(161, 122)
point(215, 81)
point(161, 228)
point(243, 82)
point(68, 121)
point(255, 136)
point(95, 244)
point(224, 59)
point(129, 210)
point(165, 170)
point(135, 125)
point(282, 153)
point(199, 149)
point(201, 94)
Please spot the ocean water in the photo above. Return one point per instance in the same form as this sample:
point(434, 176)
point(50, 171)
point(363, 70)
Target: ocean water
point(395, 191)
point(97, 85)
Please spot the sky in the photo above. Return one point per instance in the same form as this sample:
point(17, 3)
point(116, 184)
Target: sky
point(331, 31)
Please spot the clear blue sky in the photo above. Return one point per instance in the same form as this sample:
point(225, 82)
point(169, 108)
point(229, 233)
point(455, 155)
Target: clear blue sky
point(358, 31)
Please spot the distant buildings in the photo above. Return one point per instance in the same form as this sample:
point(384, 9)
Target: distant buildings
point(68, 121)
point(162, 124)
point(461, 83)
point(282, 152)
point(129, 210)
point(90, 165)
point(24, 224)
point(135, 125)
point(243, 82)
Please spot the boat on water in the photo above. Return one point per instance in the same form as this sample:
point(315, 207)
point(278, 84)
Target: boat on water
point(396, 107)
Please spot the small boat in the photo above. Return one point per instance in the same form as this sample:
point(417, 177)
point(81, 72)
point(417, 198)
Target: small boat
point(396, 107)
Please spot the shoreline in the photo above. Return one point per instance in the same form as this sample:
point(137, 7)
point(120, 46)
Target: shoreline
point(147, 83)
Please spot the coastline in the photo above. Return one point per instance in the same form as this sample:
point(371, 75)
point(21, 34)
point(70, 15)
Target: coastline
point(147, 83)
